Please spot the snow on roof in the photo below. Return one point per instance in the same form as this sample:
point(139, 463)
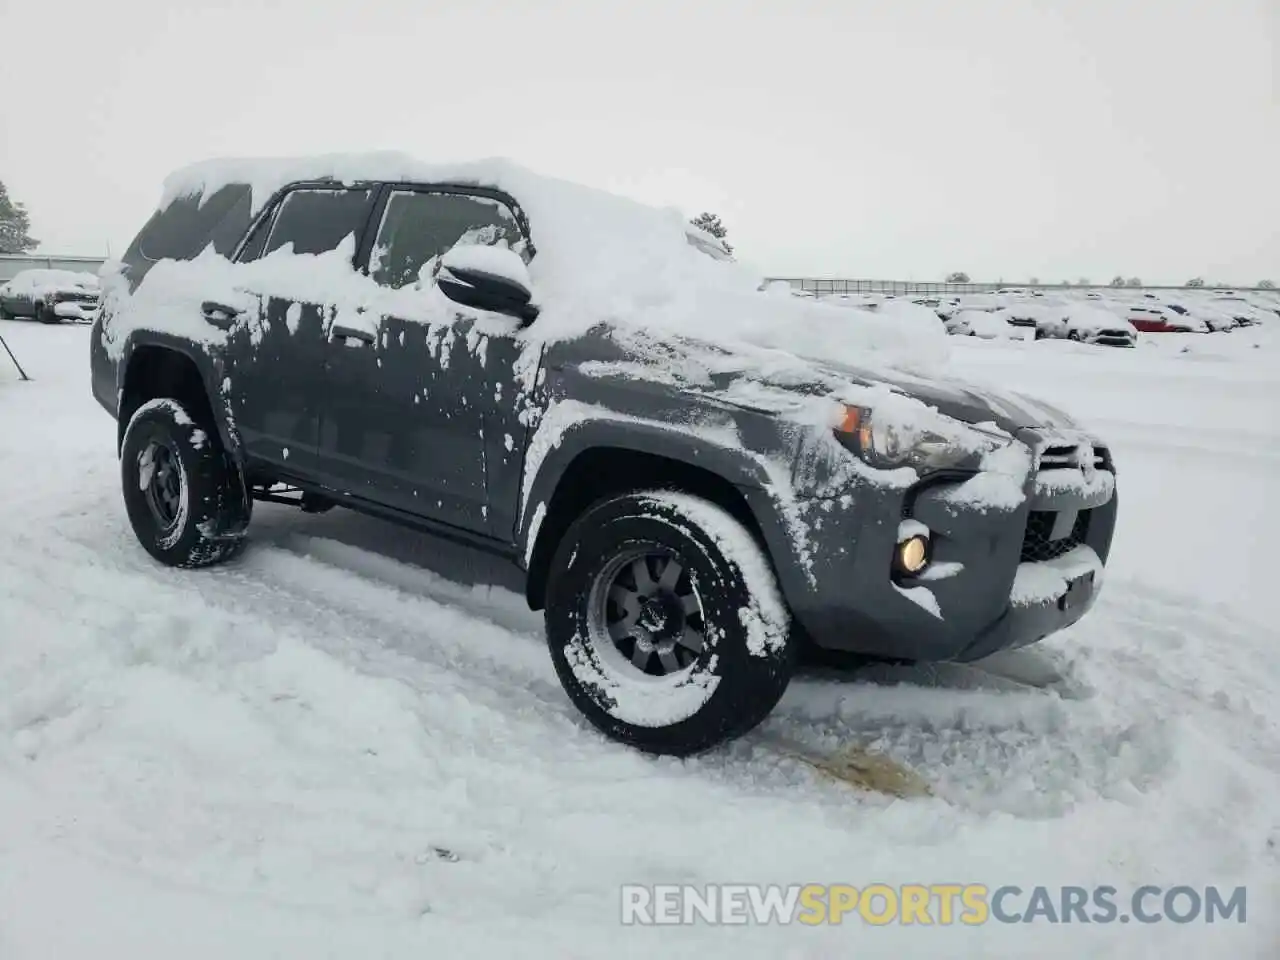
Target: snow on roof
point(44, 278)
point(606, 258)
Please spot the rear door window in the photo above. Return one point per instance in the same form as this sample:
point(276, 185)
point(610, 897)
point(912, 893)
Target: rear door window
point(317, 220)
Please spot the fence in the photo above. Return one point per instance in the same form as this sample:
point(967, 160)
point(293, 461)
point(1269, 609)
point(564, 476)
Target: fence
point(13, 264)
point(838, 287)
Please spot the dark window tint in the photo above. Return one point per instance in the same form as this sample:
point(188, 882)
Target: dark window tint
point(417, 228)
point(186, 226)
point(316, 221)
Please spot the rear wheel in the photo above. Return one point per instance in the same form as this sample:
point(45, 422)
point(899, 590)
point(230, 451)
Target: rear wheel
point(178, 484)
point(665, 623)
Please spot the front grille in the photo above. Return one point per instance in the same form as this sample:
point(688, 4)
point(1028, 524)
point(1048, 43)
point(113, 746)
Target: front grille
point(1036, 545)
point(1065, 455)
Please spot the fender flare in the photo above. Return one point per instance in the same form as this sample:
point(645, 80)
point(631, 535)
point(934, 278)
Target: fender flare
point(728, 462)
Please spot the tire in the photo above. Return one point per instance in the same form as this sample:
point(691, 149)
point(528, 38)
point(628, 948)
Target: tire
point(178, 483)
point(44, 313)
point(700, 690)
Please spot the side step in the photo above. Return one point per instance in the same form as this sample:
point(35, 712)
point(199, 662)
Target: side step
point(292, 497)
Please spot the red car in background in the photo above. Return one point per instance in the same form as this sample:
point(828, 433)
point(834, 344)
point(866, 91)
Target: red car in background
point(1158, 320)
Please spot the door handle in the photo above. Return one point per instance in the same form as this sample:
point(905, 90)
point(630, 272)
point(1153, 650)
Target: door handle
point(219, 314)
point(341, 332)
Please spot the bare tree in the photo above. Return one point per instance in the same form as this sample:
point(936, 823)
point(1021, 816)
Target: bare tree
point(958, 276)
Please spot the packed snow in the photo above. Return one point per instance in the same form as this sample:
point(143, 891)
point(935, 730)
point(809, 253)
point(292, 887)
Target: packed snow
point(351, 741)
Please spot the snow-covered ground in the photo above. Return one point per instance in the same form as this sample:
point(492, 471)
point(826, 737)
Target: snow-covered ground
point(352, 743)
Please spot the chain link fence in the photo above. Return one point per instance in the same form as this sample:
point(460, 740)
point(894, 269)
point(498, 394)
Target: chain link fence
point(927, 289)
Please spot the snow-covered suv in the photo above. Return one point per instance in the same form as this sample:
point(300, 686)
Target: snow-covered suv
point(568, 379)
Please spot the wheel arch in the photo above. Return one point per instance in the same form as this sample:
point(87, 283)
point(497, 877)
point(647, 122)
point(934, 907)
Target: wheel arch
point(593, 463)
point(153, 369)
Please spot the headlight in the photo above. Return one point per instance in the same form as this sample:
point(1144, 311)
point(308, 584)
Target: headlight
point(888, 443)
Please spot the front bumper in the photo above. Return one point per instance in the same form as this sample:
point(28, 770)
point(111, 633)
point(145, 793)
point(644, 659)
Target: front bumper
point(1112, 338)
point(1001, 575)
point(80, 311)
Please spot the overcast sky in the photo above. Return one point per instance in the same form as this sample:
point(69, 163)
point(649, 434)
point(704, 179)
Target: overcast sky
point(860, 138)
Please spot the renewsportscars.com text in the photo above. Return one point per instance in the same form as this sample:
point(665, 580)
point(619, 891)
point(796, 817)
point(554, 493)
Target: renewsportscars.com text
point(933, 904)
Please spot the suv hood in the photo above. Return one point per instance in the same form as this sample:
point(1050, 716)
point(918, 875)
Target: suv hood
point(955, 398)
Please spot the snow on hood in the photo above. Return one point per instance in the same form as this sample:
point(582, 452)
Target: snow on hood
point(605, 258)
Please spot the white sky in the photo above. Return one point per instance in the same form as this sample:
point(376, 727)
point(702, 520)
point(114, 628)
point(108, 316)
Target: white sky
point(858, 138)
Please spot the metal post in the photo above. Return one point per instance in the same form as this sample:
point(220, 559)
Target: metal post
point(22, 373)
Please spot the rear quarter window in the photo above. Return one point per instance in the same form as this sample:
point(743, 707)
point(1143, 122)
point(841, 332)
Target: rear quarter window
point(186, 227)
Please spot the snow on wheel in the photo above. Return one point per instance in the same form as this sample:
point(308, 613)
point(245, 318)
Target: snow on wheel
point(177, 484)
point(665, 622)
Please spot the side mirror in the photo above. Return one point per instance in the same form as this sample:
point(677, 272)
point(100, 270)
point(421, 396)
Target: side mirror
point(488, 278)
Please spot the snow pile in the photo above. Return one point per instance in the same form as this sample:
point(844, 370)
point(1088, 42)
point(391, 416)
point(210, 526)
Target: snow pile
point(604, 258)
point(349, 743)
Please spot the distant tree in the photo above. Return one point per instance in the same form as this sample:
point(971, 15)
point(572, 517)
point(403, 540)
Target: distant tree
point(14, 224)
point(1035, 281)
point(1083, 282)
point(1196, 282)
point(958, 277)
point(1266, 284)
point(1134, 282)
point(711, 223)
point(1066, 283)
point(1117, 281)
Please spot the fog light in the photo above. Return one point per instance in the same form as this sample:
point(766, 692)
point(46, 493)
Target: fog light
point(913, 554)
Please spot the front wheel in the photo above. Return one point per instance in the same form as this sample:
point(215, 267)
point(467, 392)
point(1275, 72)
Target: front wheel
point(178, 485)
point(45, 314)
point(665, 622)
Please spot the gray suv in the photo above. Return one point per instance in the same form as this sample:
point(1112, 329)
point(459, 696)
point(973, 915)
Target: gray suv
point(372, 339)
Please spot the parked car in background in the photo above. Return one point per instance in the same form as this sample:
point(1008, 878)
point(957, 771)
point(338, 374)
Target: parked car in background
point(980, 301)
point(1153, 319)
point(1037, 318)
point(50, 296)
point(1213, 318)
point(1089, 324)
point(1244, 313)
point(985, 324)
